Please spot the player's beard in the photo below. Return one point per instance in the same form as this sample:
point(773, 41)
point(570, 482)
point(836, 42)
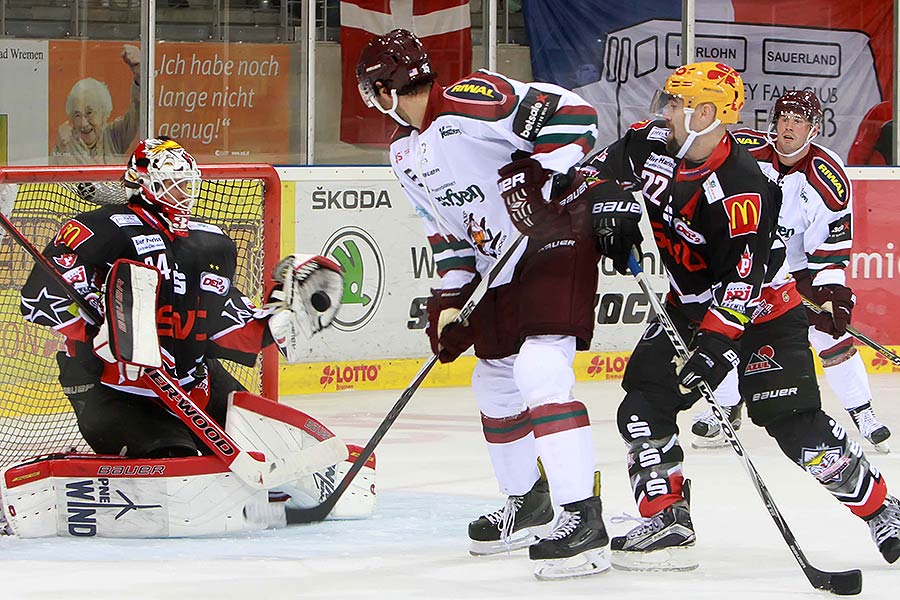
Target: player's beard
point(672, 144)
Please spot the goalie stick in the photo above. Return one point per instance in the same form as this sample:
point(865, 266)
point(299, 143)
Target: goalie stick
point(882, 350)
point(258, 471)
point(320, 511)
point(842, 583)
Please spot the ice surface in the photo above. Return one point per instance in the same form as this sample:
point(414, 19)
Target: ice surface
point(434, 477)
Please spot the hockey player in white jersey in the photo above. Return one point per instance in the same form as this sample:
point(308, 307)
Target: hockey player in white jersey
point(451, 144)
point(815, 223)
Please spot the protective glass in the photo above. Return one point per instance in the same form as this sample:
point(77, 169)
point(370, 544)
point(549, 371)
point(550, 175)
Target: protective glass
point(662, 104)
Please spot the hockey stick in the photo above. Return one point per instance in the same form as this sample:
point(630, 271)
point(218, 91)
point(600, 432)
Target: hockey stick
point(843, 583)
point(253, 468)
point(319, 512)
point(885, 352)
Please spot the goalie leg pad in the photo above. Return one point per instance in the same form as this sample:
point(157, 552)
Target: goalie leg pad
point(110, 496)
point(299, 442)
point(356, 503)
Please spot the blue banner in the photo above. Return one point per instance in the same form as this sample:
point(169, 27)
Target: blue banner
point(567, 38)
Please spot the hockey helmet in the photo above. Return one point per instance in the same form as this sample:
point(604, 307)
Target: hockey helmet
point(702, 82)
point(397, 59)
point(165, 175)
point(799, 102)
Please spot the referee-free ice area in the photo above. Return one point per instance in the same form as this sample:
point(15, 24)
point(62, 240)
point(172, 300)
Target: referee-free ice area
point(434, 477)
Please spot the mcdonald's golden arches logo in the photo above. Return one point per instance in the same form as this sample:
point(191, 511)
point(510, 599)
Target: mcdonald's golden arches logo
point(743, 212)
point(72, 234)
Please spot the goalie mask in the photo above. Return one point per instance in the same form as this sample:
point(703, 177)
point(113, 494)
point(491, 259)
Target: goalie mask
point(803, 104)
point(166, 176)
point(397, 60)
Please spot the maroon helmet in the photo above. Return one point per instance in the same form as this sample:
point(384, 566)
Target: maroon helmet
point(799, 102)
point(397, 59)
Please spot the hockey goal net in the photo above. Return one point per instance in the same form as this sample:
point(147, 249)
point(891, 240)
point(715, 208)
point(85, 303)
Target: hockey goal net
point(35, 416)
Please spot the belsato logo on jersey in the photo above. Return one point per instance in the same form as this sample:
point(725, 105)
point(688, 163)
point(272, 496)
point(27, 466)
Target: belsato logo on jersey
point(355, 250)
point(323, 199)
point(533, 112)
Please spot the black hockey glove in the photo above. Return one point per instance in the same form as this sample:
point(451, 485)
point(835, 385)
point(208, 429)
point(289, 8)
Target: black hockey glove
point(837, 300)
point(616, 218)
point(713, 357)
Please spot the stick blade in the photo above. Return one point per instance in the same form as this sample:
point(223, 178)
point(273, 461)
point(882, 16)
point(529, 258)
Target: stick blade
point(842, 583)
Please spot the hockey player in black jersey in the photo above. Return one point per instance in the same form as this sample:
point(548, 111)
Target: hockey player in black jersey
point(714, 215)
point(201, 315)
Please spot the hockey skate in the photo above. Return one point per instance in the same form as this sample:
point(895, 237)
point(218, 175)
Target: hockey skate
point(708, 431)
point(871, 428)
point(517, 525)
point(885, 529)
point(664, 542)
point(577, 546)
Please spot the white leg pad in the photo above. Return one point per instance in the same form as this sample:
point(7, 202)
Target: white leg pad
point(356, 503)
point(299, 442)
point(110, 496)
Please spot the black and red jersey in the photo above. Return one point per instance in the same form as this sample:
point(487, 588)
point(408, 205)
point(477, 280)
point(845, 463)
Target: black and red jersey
point(200, 312)
point(714, 223)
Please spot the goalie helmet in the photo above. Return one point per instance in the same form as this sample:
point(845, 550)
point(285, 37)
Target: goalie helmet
point(166, 176)
point(397, 60)
point(702, 82)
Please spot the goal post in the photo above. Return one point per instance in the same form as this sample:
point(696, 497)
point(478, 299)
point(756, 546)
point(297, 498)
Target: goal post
point(35, 416)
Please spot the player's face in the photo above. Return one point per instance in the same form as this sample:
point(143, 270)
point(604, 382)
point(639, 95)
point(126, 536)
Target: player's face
point(673, 113)
point(86, 123)
point(793, 131)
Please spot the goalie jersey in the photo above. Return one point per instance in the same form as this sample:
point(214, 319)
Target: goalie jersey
point(200, 312)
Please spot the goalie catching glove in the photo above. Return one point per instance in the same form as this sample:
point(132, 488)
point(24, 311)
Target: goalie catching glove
point(308, 297)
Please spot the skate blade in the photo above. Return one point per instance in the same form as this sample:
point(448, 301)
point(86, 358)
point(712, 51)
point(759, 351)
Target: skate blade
point(882, 448)
point(590, 562)
point(709, 443)
point(519, 540)
point(679, 558)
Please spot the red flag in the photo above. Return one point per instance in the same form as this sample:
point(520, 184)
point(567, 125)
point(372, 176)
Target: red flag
point(442, 25)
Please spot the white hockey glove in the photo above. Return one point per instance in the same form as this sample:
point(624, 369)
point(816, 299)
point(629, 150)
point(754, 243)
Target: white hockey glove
point(130, 301)
point(311, 291)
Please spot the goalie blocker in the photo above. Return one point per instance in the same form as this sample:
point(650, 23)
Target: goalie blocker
point(110, 496)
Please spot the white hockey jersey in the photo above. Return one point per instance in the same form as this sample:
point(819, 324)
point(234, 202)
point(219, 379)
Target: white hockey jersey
point(448, 167)
point(815, 217)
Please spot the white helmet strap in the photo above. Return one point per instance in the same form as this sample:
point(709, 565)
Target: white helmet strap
point(693, 135)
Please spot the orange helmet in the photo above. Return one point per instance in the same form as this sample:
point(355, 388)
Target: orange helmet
point(712, 82)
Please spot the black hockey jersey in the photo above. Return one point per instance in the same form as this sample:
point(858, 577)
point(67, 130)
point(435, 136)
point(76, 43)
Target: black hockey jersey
point(200, 313)
point(714, 223)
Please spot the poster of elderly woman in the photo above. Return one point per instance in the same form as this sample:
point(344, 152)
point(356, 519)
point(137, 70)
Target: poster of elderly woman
point(91, 134)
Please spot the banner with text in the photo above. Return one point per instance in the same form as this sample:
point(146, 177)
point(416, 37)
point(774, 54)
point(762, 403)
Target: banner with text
point(838, 66)
point(224, 102)
point(362, 220)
